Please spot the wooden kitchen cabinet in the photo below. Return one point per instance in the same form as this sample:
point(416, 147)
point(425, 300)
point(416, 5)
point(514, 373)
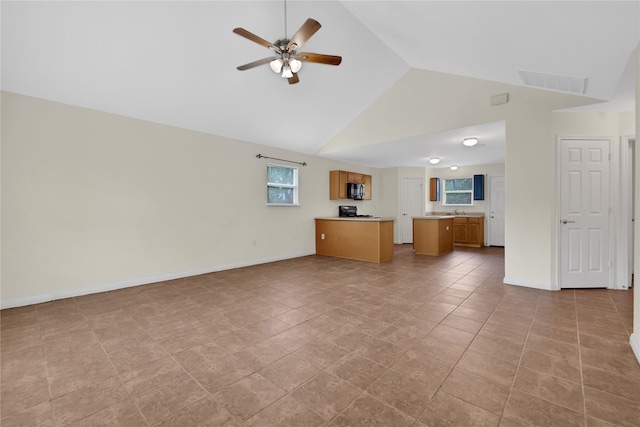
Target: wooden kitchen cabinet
point(433, 235)
point(364, 239)
point(473, 232)
point(434, 189)
point(338, 184)
point(459, 230)
point(468, 231)
point(355, 178)
point(366, 180)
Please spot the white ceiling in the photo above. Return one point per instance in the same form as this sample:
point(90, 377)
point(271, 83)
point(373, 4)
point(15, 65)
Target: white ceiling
point(174, 63)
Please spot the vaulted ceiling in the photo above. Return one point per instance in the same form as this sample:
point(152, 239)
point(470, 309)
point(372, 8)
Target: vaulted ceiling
point(175, 63)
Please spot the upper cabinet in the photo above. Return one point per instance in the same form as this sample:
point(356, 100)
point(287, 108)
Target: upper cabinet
point(355, 178)
point(434, 190)
point(338, 181)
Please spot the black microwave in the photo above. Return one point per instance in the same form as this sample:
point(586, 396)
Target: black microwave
point(355, 191)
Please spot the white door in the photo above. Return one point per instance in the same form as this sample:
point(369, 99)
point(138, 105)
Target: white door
point(496, 218)
point(412, 205)
point(584, 213)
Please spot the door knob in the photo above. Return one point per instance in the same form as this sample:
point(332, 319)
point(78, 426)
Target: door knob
point(564, 221)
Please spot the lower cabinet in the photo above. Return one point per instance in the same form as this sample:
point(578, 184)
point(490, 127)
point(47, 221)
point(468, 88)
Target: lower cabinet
point(468, 231)
point(460, 230)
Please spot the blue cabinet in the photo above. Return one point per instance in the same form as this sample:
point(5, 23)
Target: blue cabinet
point(478, 187)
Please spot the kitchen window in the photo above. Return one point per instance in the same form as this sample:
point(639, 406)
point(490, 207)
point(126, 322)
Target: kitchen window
point(458, 192)
point(282, 185)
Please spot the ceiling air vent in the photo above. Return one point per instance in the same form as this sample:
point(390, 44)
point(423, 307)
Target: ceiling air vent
point(558, 82)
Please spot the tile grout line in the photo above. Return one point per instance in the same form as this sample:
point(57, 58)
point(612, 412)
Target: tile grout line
point(584, 397)
point(524, 346)
point(466, 349)
point(130, 396)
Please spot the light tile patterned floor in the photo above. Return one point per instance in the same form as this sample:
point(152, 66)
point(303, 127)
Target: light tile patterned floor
point(420, 341)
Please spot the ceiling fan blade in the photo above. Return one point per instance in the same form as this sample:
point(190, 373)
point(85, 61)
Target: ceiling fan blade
point(256, 63)
point(249, 35)
point(308, 29)
point(293, 80)
point(319, 58)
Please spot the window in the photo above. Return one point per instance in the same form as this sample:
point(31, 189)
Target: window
point(282, 185)
point(458, 191)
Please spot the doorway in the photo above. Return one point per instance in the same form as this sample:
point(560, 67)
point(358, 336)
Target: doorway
point(412, 201)
point(496, 218)
point(584, 213)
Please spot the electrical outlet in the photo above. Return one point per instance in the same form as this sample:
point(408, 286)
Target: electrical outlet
point(322, 236)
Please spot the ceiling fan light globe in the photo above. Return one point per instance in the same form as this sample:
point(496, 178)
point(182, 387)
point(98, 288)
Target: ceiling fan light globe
point(295, 65)
point(286, 72)
point(276, 65)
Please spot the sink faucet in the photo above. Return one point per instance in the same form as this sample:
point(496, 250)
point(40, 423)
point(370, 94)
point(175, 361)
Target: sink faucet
point(455, 211)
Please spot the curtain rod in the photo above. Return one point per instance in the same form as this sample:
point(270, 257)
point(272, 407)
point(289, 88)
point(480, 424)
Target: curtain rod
point(260, 156)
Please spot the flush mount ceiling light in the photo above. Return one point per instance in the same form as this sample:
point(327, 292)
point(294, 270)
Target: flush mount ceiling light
point(454, 168)
point(470, 142)
point(434, 160)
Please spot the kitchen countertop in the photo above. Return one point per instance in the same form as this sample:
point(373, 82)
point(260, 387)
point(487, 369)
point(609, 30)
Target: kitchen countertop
point(461, 215)
point(435, 217)
point(358, 218)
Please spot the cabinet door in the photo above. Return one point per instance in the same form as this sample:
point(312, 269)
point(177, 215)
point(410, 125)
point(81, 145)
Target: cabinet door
point(434, 190)
point(475, 231)
point(342, 186)
point(354, 178)
point(460, 233)
point(337, 185)
point(366, 180)
point(473, 234)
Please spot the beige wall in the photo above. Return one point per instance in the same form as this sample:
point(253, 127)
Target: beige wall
point(94, 201)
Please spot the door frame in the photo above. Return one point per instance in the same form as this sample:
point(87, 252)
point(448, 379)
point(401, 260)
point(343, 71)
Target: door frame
point(558, 211)
point(625, 246)
point(488, 209)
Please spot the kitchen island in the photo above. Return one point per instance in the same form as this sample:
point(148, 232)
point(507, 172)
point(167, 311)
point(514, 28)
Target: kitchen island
point(433, 234)
point(360, 238)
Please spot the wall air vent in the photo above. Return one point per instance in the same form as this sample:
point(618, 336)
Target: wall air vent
point(577, 85)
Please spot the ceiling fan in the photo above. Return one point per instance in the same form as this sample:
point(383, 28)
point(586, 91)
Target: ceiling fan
point(288, 61)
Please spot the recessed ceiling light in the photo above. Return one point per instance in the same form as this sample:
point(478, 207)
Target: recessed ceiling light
point(454, 168)
point(434, 160)
point(470, 142)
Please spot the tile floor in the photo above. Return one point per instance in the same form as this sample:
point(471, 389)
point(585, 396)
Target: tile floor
point(420, 341)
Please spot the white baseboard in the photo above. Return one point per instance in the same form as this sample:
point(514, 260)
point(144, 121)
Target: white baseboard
point(634, 341)
point(526, 284)
point(38, 299)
